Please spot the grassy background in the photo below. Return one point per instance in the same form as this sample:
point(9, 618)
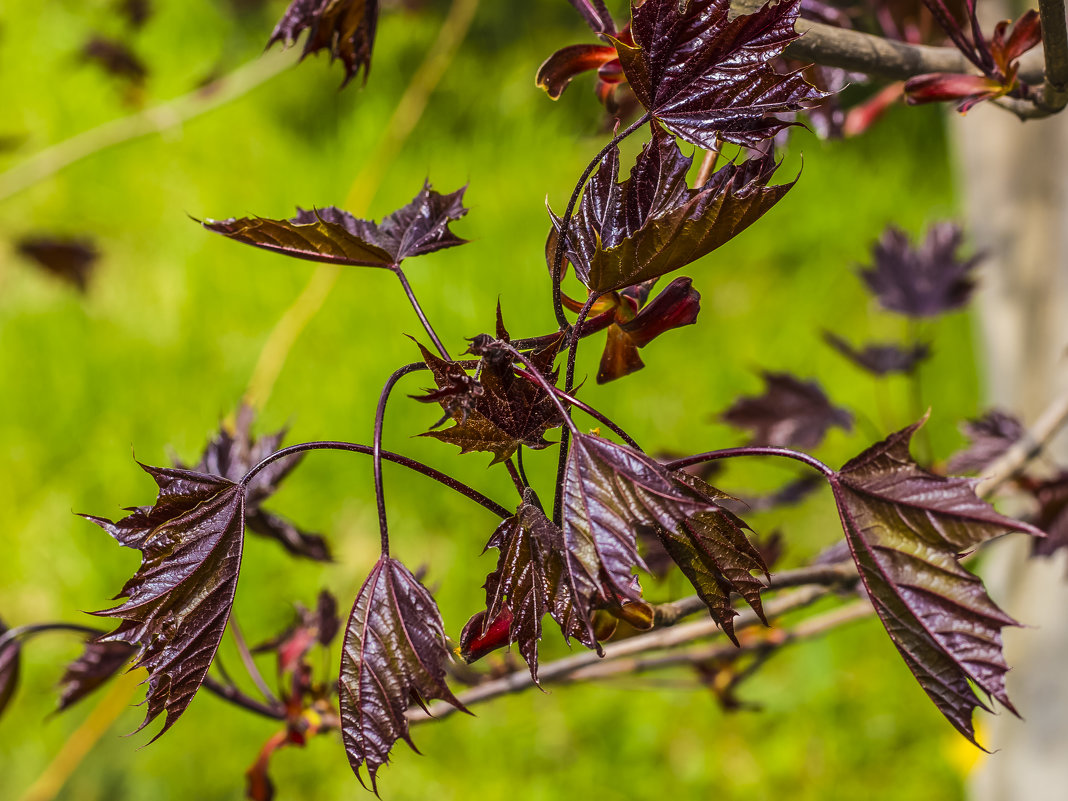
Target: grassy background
point(164, 343)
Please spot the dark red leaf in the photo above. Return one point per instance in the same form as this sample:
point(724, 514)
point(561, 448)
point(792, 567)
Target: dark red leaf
point(652, 223)
point(312, 626)
point(499, 412)
point(558, 69)
point(790, 413)
point(609, 492)
point(907, 530)
point(394, 652)
point(99, 662)
point(879, 358)
point(336, 237)
point(937, 87)
point(707, 78)
point(924, 281)
point(231, 453)
point(596, 15)
point(991, 435)
point(1052, 497)
point(343, 28)
point(713, 552)
point(71, 260)
point(136, 12)
point(116, 58)
point(178, 602)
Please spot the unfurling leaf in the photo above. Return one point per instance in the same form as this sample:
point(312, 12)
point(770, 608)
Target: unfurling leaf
point(71, 260)
point(907, 530)
point(500, 411)
point(609, 492)
point(344, 28)
point(991, 435)
point(677, 306)
point(233, 452)
point(334, 236)
point(790, 413)
point(531, 579)
point(10, 661)
point(925, 281)
point(98, 663)
point(707, 78)
point(558, 69)
point(652, 223)
point(313, 626)
point(715, 555)
point(394, 652)
point(178, 602)
point(881, 359)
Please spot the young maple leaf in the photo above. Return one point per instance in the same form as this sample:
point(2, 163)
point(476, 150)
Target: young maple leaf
point(990, 436)
point(70, 260)
point(907, 530)
point(790, 413)
point(313, 626)
point(925, 281)
point(708, 78)
point(530, 579)
point(500, 411)
point(233, 452)
point(178, 602)
point(652, 223)
point(344, 28)
point(881, 358)
point(717, 558)
point(98, 663)
point(394, 653)
point(609, 492)
point(334, 236)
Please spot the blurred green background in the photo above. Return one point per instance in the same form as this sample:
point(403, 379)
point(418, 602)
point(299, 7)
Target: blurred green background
point(164, 343)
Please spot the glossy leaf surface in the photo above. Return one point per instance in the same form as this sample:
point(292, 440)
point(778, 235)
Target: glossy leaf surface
point(907, 530)
point(178, 602)
point(394, 653)
point(707, 78)
point(98, 662)
point(334, 236)
point(652, 223)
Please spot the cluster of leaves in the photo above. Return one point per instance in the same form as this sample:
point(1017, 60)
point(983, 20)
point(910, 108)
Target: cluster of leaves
point(706, 79)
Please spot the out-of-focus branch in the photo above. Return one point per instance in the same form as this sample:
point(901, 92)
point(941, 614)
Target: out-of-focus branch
point(1025, 449)
point(874, 55)
point(1055, 48)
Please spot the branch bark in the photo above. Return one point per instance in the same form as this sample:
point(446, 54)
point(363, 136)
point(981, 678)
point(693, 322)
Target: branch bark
point(1055, 48)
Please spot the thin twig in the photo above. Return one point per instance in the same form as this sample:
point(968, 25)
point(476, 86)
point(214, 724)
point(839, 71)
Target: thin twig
point(250, 663)
point(233, 695)
point(708, 164)
point(561, 669)
point(156, 119)
point(1025, 449)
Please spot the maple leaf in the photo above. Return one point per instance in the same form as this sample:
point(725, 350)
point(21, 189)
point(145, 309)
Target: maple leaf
point(881, 358)
point(10, 664)
point(116, 58)
point(178, 602)
point(394, 652)
point(70, 260)
point(334, 236)
point(708, 78)
point(907, 530)
point(530, 580)
point(678, 305)
point(1052, 517)
point(344, 28)
point(610, 491)
point(713, 552)
point(99, 662)
point(500, 411)
point(790, 413)
point(925, 281)
point(231, 453)
point(990, 436)
point(652, 223)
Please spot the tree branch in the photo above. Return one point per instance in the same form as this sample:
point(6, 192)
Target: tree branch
point(561, 670)
point(1025, 449)
point(874, 55)
point(1055, 48)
